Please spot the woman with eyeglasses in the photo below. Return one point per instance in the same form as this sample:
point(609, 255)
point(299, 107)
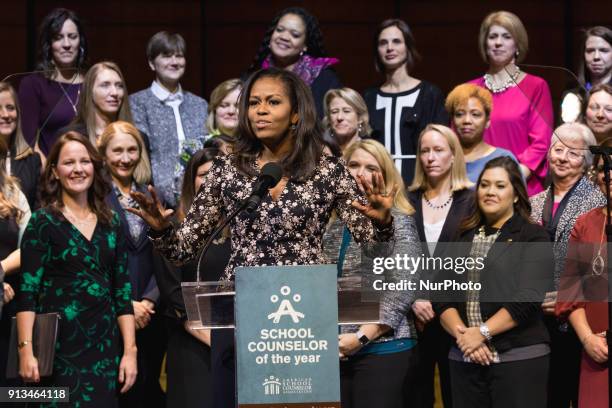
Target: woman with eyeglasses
point(557, 208)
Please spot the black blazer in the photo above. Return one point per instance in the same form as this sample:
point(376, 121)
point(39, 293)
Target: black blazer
point(461, 207)
point(27, 170)
point(141, 256)
point(518, 271)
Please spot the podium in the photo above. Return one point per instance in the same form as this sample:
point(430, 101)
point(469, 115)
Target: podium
point(210, 305)
point(285, 321)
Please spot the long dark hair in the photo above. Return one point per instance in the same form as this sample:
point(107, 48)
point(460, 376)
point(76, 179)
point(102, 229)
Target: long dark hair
point(522, 205)
point(51, 193)
point(412, 55)
point(50, 27)
point(191, 171)
point(314, 37)
point(598, 31)
point(308, 143)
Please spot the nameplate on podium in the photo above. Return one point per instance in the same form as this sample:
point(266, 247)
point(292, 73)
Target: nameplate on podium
point(287, 337)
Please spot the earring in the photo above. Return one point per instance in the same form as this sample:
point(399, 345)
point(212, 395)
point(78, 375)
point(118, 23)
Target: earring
point(515, 200)
point(293, 127)
point(516, 54)
point(359, 129)
point(301, 53)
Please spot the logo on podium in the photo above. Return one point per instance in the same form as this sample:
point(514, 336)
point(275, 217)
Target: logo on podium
point(287, 335)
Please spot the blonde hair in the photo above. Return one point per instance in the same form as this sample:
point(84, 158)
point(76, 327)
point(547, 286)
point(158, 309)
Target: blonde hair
point(86, 113)
point(216, 97)
point(9, 188)
point(458, 173)
point(388, 169)
point(510, 22)
point(355, 101)
point(22, 148)
point(142, 172)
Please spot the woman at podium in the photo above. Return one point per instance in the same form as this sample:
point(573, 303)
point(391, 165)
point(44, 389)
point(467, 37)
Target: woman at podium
point(277, 123)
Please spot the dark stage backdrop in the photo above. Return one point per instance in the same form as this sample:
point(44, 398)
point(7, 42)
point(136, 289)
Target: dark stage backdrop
point(222, 35)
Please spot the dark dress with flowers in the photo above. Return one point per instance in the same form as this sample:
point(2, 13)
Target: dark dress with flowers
point(87, 283)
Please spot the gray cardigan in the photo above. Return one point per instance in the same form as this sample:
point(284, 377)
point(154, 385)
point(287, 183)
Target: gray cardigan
point(154, 118)
point(583, 199)
point(395, 306)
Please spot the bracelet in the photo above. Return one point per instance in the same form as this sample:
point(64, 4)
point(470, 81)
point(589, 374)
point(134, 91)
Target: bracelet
point(24, 343)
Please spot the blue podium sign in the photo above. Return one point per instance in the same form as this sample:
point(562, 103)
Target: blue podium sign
point(287, 337)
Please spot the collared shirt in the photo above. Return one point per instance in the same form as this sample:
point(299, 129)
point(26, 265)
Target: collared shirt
point(173, 100)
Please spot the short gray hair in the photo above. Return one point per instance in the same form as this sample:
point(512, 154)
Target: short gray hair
point(575, 132)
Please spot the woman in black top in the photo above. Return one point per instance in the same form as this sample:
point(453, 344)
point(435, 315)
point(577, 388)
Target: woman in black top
point(21, 162)
point(293, 41)
point(403, 105)
point(502, 350)
point(441, 197)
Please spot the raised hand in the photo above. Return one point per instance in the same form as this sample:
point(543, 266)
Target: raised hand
point(151, 210)
point(380, 201)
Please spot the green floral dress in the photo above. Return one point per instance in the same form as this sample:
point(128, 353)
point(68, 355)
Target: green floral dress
point(87, 282)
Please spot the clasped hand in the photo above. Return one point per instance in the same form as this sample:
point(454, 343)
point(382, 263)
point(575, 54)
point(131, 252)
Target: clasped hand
point(380, 201)
point(472, 344)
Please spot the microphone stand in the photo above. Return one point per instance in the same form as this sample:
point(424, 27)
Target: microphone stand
point(216, 232)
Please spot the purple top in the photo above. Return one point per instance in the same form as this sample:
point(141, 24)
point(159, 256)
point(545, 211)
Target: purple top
point(42, 100)
point(521, 121)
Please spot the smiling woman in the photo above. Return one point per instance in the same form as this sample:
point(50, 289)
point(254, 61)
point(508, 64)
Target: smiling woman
point(103, 100)
point(293, 41)
point(74, 262)
point(49, 99)
point(172, 118)
point(522, 119)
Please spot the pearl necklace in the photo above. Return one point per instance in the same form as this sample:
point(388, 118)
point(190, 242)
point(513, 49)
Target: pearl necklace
point(440, 206)
point(510, 82)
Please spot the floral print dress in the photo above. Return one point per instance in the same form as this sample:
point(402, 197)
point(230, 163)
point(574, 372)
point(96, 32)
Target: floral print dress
point(286, 231)
point(87, 283)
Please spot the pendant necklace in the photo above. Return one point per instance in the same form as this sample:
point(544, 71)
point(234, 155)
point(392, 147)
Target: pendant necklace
point(598, 264)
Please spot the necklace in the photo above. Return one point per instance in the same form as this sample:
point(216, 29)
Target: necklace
point(79, 222)
point(598, 264)
point(73, 104)
point(440, 206)
point(510, 82)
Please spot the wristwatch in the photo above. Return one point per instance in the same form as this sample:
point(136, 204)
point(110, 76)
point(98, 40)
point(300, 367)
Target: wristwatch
point(363, 339)
point(484, 330)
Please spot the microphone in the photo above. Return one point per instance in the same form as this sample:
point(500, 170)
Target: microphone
point(270, 175)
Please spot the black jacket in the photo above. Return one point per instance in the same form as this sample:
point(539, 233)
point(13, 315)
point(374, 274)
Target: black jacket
point(27, 171)
point(461, 207)
point(518, 271)
point(142, 257)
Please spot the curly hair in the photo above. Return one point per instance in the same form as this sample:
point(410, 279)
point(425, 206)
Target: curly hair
point(51, 188)
point(314, 37)
point(50, 27)
point(309, 143)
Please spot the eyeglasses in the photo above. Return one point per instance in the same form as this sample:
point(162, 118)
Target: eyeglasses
point(572, 154)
